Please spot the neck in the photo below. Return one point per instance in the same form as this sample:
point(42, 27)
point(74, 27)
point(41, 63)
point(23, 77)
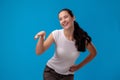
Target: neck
point(69, 33)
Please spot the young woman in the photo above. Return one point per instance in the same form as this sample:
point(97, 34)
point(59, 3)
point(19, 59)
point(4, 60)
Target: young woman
point(69, 41)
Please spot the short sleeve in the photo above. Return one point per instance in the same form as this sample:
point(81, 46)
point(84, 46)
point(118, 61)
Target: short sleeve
point(55, 35)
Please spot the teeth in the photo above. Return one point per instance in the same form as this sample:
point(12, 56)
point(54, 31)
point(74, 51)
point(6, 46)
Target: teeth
point(65, 24)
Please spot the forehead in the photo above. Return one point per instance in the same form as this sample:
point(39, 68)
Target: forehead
point(62, 13)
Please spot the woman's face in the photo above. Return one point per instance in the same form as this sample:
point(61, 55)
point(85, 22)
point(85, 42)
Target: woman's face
point(66, 20)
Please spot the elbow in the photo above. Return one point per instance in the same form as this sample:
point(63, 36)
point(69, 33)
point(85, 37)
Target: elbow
point(94, 53)
point(37, 52)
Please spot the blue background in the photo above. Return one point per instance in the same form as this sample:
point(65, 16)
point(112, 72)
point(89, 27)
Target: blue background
point(20, 20)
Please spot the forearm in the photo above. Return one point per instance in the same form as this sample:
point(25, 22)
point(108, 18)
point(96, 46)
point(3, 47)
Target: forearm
point(87, 60)
point(39, 46)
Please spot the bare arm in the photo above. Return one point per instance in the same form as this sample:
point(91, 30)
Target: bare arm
point(43, 45)
point(92, 54)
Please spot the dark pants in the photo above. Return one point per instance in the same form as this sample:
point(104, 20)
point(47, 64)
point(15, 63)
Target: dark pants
point(50, 74)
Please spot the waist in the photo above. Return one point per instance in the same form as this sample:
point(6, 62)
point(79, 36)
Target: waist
point(51, 69)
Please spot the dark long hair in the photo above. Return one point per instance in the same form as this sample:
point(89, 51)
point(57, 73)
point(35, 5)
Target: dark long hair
point(81, 37)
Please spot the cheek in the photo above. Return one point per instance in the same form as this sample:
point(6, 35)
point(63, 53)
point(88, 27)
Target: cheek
point(60, 22)
point(72, 21)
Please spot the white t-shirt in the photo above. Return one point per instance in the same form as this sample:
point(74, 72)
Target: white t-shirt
point(65, 53)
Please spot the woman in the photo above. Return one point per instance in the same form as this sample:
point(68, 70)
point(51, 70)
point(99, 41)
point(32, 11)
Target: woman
point(69, 41)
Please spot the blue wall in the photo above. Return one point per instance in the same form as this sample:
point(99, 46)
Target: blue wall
point(20, 20)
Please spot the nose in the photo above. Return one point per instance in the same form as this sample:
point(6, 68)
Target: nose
point(63, 21)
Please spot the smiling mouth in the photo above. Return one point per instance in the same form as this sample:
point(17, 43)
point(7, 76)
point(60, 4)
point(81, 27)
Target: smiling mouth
point(65, 24)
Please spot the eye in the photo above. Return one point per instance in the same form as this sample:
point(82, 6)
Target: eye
point(60, 19)
point(66, 16)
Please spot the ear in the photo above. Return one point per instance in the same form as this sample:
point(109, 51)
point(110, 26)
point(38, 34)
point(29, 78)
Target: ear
point(74, 18)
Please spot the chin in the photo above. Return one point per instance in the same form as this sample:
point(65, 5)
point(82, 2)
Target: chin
point(66, 27)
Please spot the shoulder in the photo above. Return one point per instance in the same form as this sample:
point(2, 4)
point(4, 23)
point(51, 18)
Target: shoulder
point(57, 31)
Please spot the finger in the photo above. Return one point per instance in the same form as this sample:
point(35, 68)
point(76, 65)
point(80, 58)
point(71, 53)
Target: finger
point(70, 69)
point(36, 37)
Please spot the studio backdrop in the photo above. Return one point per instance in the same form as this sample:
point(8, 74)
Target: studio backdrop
point(20, 20)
